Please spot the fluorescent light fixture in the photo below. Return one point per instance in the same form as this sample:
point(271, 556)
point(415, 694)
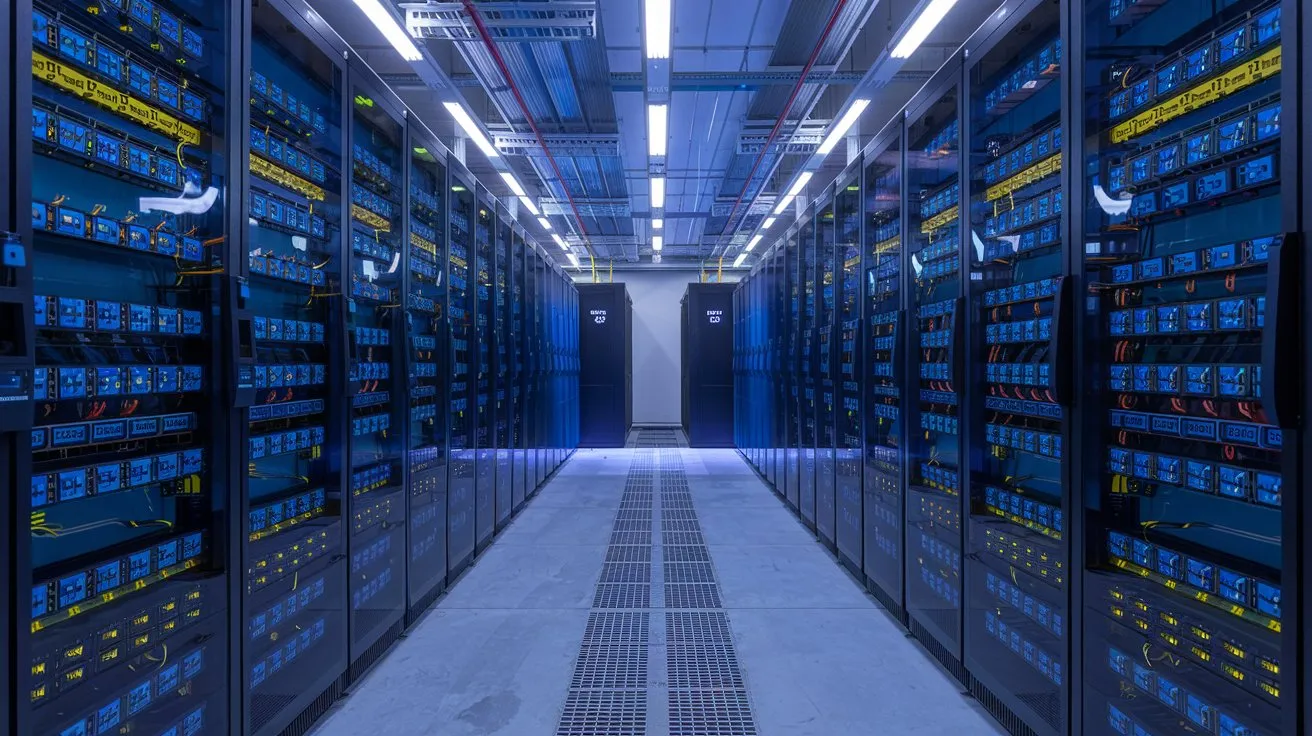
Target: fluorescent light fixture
point(658, 28)
point(573, 259)
point(738, 262)
point(658, 118)
point(769, 221)
point(391, 30)
point(657, 242)
point(920, 29)
point(657, 223)
point(560, 241)
point(471, 128)
point(545, 223)
point(844, 124)
point(753, 243)
point(528, 205)
point(783, 205)
point(513, 183)
point(658, 191)
point(800, 184)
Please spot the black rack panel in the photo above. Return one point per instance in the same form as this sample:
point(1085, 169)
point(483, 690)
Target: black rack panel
point(460, 310)
point(825, 363)
point(501, 369)
point(849, 534)
point(483, 275)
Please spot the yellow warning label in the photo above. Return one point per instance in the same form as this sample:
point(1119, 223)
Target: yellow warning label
point(52, 72)
point(1245, 75)
point(279, 175)
point(1046, 167)
point(946, 217)
point(374, 221)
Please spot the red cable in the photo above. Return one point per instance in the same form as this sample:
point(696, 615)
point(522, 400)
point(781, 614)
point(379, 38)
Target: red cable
point(788, 107)
point(523, 107)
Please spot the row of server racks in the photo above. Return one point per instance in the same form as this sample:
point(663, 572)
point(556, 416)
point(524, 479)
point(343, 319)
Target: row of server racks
point(273, 366)
point(1033, 367)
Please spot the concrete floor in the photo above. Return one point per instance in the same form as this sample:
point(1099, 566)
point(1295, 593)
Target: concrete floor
point(495, 655)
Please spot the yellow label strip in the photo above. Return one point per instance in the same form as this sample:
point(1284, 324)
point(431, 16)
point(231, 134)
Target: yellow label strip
point(1046, 167)
point(1201, 596)
point(942, 219)
point(891, 244)
point(423, 244)
point(110, 596)
point(279, 175)
point(1245, 75)
point(374, 221)
point(54, 73)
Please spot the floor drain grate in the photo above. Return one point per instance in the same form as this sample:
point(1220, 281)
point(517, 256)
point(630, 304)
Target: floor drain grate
point(615, 667)
point(604, 713)
point(631, 538)
point(689, 572)
point(625, 572)
point(692, 595)
point(687, 553)
point(617, 628)
point(704, 627)
point(622, 596)
point(710, 713)
point(628, 553)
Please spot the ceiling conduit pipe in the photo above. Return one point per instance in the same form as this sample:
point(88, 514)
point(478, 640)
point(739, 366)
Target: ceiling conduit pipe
point(492, 49)
point(783, 116)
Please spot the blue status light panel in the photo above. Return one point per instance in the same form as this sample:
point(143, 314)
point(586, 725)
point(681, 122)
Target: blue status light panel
point(809, 412)
point(885, 353)
point(375, 311)
point(1188, 457)
point(294, 605)
point(1016, 530)
point(519, 374)
point(460, 515)
point(123, 507)
point(427, 382)
point(936, 319)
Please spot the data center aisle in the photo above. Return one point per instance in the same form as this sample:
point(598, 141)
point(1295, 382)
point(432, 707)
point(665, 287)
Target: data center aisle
point(597, 614)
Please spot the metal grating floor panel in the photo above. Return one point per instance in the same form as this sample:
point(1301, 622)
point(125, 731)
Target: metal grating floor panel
point(702, 666)
point(694, 595)
point(615, 667)
point(681, 526)
point(604, 713)
point(643, 537)
point(622, 596)
point(672, 538)
point(689, 572)
point(687, 553)
point(617, 628)
point(711, 713)
point(628, 553)
point(707, 627)
point(625, 572)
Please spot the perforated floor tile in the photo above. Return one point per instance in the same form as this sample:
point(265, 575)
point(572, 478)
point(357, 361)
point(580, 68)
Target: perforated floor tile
point(708, 627)
point(669, 538)
point(710, 713)
point(643, 538)
point(625, 572)
point(687, 553)
point(622, 596)
point(695, 666)
point(604, 713)
point(689, 572)
point(614, 667)
point(628, 553)
point(606, 628)
point(698, 595)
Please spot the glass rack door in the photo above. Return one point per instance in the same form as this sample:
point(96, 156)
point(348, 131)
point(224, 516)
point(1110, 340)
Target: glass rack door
point(780, 375)
point(427, 343)
point(851, 353)
point(519, 373)
point(121, 539)
point(808, 266)
point(1186, 472)
point(793, 449)
point(460, 319)
point(501, 399)
point(886, 435)
point(1018, 570)
point(937, 321)
point(827, 392)
point(377, 499)
point(484, 440)
point(296, 598)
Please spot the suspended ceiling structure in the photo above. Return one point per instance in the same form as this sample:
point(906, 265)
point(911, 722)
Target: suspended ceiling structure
point(637, 133)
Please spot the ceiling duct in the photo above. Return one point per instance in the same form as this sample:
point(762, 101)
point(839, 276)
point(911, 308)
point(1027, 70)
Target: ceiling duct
point(557, 20)
point(589, 144)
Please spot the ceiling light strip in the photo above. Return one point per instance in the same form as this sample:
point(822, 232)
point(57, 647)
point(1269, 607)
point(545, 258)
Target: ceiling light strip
point(928, 20)
point(386, 24)
point(658, 27)
point(849, 119)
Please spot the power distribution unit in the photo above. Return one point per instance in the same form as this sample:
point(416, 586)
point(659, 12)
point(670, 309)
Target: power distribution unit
point(606, 374)
point(708, 364)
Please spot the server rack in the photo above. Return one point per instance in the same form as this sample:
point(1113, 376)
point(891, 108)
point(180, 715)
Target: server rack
point(484, 290)
point(793, 326)
point(606, 377)
point(825, 360)
point(460, 311)
point(501, 368)
point(515, 346)
point(1191, 370)
point(850, 421)
point(808, 266)
point(707, 377)
point(427, 344)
